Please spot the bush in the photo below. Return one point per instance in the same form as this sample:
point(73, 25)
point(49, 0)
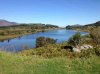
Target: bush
point(52, 50)
point(88, 53)
point(42, 41)
point(75, 39)
point(97, 51)
point(95, 35)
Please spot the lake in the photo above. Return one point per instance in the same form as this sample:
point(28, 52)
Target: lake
point(29, 41)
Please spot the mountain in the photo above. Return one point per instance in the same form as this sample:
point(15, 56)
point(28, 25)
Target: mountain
point(6, 23)
point(94, 24)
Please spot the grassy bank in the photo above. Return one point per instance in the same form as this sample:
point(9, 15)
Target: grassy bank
point(8, 32)
point(18, 34)
point(17, 64)
point(21, 33)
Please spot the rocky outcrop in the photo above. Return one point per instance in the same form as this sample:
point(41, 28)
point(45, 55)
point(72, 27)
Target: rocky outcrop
point(83, 47)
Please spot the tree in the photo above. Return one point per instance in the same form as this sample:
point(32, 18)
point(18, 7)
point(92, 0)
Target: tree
point(75, 39)
point(42, 41)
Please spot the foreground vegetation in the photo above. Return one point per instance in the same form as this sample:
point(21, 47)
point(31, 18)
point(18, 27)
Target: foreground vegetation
point(17, 64)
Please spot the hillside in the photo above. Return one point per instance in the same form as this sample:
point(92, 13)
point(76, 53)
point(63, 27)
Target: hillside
point(96, 24)
point(6, 23)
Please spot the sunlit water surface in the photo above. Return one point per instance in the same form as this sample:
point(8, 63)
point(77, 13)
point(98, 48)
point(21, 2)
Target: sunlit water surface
point(29, 41)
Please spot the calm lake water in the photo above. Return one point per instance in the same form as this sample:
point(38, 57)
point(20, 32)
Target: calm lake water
point(29, 41)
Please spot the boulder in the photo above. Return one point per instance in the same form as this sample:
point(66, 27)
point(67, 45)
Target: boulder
point(83, 47)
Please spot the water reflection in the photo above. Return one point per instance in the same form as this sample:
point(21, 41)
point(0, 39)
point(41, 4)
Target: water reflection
point(28, 41)
point(1, 40)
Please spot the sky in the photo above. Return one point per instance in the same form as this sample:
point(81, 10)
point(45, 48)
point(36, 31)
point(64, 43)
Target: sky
point(56, 12)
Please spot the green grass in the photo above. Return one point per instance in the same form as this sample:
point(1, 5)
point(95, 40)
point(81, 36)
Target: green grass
point(17, 64)
point(9, 32)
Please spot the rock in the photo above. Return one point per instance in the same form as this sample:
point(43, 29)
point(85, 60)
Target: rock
point(86, 47)
point(76, 50)
point(83, 47)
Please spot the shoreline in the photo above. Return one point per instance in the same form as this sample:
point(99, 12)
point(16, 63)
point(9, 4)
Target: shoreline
point(7, 37)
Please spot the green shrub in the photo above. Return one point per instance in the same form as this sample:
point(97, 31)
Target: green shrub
point(42, 41)
point(95, 35)
point(97, 51)
point(52, 50)
point(75, 39)
point(89, 52)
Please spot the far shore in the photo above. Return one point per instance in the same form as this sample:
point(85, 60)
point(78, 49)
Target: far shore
point(7, 37)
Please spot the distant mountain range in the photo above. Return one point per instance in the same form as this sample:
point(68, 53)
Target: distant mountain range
point(94, 24)
point(7, 23)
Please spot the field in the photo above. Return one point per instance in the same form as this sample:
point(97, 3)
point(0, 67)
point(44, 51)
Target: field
point(17, 64)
